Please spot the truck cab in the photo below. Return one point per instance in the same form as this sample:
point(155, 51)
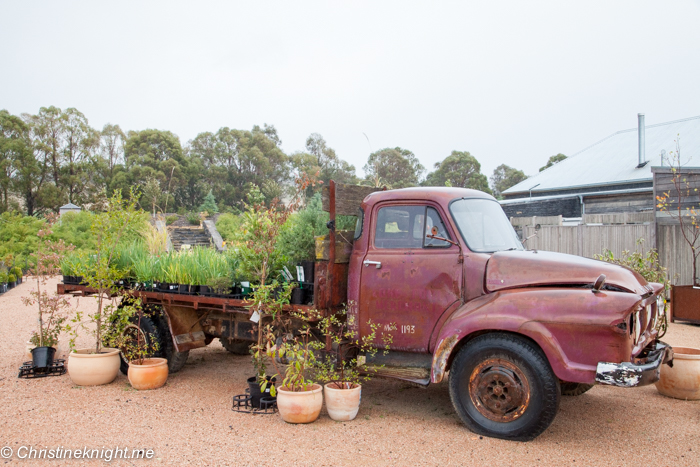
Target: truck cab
point(511, 329)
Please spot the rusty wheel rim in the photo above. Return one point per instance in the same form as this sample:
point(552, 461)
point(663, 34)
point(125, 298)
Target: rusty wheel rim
point(499, 390)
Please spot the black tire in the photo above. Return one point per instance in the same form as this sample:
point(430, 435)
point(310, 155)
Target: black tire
point(236, 346)
point(502, 386)
point(574, 389)
point(150, 330)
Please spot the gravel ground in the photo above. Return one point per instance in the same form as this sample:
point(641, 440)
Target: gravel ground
point(190, 422)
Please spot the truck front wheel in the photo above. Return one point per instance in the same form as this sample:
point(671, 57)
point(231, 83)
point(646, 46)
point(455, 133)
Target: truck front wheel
point(502, 386)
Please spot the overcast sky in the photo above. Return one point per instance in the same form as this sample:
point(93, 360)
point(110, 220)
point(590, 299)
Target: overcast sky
point(511, 82)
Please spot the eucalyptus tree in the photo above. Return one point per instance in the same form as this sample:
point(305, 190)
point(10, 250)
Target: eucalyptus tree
point(459, 169)
point(154, 154)
point(234, 160)
point(505, 177)
point(393, 167)
point(553, 160)
point(14, 147)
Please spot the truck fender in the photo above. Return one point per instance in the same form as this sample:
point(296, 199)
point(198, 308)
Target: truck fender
point(533, 313)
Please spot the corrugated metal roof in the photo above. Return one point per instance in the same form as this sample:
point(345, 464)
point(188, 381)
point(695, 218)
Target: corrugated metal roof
point(614, 160)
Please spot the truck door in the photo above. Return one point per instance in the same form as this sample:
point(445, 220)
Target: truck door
point(407, 279)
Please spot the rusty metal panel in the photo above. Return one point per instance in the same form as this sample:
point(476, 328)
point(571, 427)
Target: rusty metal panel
point(322, 296)
point(185, 327)
point(510, 269)
point(685, 304)
point(343, 246)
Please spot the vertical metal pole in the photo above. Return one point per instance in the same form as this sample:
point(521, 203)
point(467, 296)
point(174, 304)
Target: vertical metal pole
point(331, 253)
point(641, 127)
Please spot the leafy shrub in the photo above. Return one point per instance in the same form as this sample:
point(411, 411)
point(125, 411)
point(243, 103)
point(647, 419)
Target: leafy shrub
point(3, 277)
point(11, 278)
point(297, 235)
point(18, 237)
point(171, 219)
point(16, 271)
point(193, 218)
point(647, 265)
point(74, 229)
point(228, 226)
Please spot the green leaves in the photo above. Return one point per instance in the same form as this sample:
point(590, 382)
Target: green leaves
point(460, 169)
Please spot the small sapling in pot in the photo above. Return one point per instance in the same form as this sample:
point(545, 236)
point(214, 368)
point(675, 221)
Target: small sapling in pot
point(341, 366)
point(53, 309)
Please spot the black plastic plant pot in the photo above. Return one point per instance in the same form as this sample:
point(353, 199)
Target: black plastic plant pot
point(308, 294)
point(3, 288)
point(203, 290)
point(42, 357)
point(11, 285)
point(174, 288)
point(235, 290)
point(297, 296)
point(255, 393)
point(164, 286)
point(183, 288)
point(308, 270)
point(79, 280)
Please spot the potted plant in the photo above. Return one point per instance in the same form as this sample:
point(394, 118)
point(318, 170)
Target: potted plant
point(339, 368)
point(99, 364)
point(3, 281)
point(17, 271)
point(299, 397)
point(144, 271)
point(52, 308)
point(11, 281)
point(678, 203)
point(267, 305)
point(145, 371)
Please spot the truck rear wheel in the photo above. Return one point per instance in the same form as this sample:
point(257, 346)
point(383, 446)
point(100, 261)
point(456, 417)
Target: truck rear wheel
point(236, 346)
point(151, 333)
point(502, 386)
point(574, 389)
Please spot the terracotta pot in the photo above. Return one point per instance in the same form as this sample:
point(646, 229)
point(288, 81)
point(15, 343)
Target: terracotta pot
point(152, 374)
point(86, 369)
point(683, 380)
point(301, 406)
point(342, 404)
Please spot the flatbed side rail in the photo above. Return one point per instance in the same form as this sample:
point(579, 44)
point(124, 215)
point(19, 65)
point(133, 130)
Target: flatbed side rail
point(226, 305)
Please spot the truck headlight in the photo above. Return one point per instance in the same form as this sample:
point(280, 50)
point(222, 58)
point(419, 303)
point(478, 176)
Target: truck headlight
point(660, 306)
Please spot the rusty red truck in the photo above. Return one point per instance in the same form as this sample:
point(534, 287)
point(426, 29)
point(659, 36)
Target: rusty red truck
point(510, 330)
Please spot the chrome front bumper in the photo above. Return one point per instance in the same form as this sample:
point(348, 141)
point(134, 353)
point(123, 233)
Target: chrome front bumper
point(628, 375)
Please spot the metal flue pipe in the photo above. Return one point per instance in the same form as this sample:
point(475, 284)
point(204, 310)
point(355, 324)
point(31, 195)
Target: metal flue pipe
point(642, 143)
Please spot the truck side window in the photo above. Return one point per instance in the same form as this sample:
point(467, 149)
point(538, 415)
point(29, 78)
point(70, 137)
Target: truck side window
point(433, 220)
point(358, 223)
point(400, 227)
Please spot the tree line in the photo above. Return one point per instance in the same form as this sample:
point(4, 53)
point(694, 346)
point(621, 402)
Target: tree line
point(55, 157)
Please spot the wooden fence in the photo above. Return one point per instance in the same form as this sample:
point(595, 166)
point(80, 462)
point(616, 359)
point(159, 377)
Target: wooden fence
point(590, 240)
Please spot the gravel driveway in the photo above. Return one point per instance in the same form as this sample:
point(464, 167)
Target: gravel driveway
point(190, 422)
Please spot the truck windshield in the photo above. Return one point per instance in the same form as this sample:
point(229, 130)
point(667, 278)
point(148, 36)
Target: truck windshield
point(484, 225)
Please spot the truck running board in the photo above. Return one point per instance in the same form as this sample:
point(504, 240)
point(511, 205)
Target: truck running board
point(419, 376)
point(406, 366)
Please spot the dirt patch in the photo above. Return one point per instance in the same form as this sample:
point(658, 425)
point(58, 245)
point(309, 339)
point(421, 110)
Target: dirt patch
point(190, 422)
